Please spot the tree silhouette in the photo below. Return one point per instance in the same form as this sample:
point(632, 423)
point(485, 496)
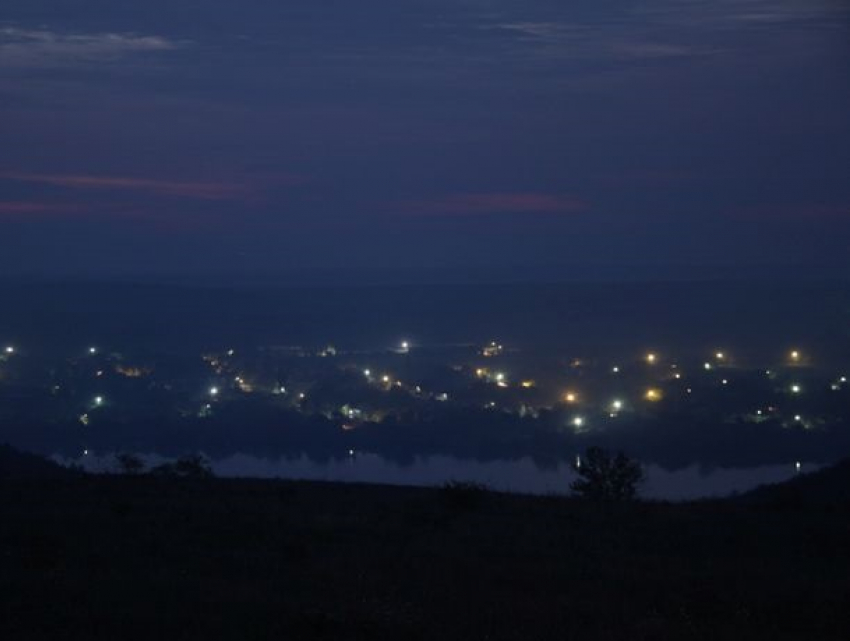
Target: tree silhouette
point(606, 478)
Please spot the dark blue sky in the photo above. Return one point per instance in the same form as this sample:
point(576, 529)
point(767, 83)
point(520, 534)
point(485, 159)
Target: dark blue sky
point(543, 137)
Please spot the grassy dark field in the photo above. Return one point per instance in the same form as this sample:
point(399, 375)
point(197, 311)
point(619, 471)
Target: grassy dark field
point(158, 558)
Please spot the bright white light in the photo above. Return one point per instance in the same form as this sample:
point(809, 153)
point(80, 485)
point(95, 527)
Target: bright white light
point(795, 355)
point(615, 369)
point(92, 350)
point(798, 418)
point(302, 395)
point(351, 452)
point(10, 349)
point(98, 400)
point(798, 466)
point(843, 379)
point(677, 376)
point(795, 389)
point(385, 378)
point(617, 404)
point(578, 421)
point(85, 452)
point(706, 366)
point(725, 382)
point(570, 397)
point(213, 391)
point(367, 372)
point(720, 356)
point(405, 346)
point(500, 377)
point(230, 352)
point(651, 358)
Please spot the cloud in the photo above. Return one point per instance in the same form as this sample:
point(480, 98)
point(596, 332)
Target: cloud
point(197, 190)
point(595, 41)
point(43, 48)
point(29, 208)
point(495, 203)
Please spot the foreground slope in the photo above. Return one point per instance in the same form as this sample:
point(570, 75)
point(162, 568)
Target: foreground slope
point(134, 558)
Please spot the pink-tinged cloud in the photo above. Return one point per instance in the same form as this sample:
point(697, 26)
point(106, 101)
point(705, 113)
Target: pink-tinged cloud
point(27, 208)
point(496, 203)
point(198, 190)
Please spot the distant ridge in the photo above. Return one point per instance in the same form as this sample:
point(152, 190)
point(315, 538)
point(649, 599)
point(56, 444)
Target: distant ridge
point(16, 465)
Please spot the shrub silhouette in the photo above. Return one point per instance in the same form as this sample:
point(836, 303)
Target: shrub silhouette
point(195, 467)
point(463, 495)
point(606, 478)
point(129, 464)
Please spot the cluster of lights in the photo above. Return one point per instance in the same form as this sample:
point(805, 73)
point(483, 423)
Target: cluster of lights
point(493, 349)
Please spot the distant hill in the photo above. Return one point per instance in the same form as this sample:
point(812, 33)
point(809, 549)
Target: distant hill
point(23, 466)
point(829, 486)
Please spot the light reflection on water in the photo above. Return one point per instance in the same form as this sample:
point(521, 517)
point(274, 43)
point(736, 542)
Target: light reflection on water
point(521, 475)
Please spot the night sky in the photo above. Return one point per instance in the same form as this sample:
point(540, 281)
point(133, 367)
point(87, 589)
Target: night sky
point(540, 137)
